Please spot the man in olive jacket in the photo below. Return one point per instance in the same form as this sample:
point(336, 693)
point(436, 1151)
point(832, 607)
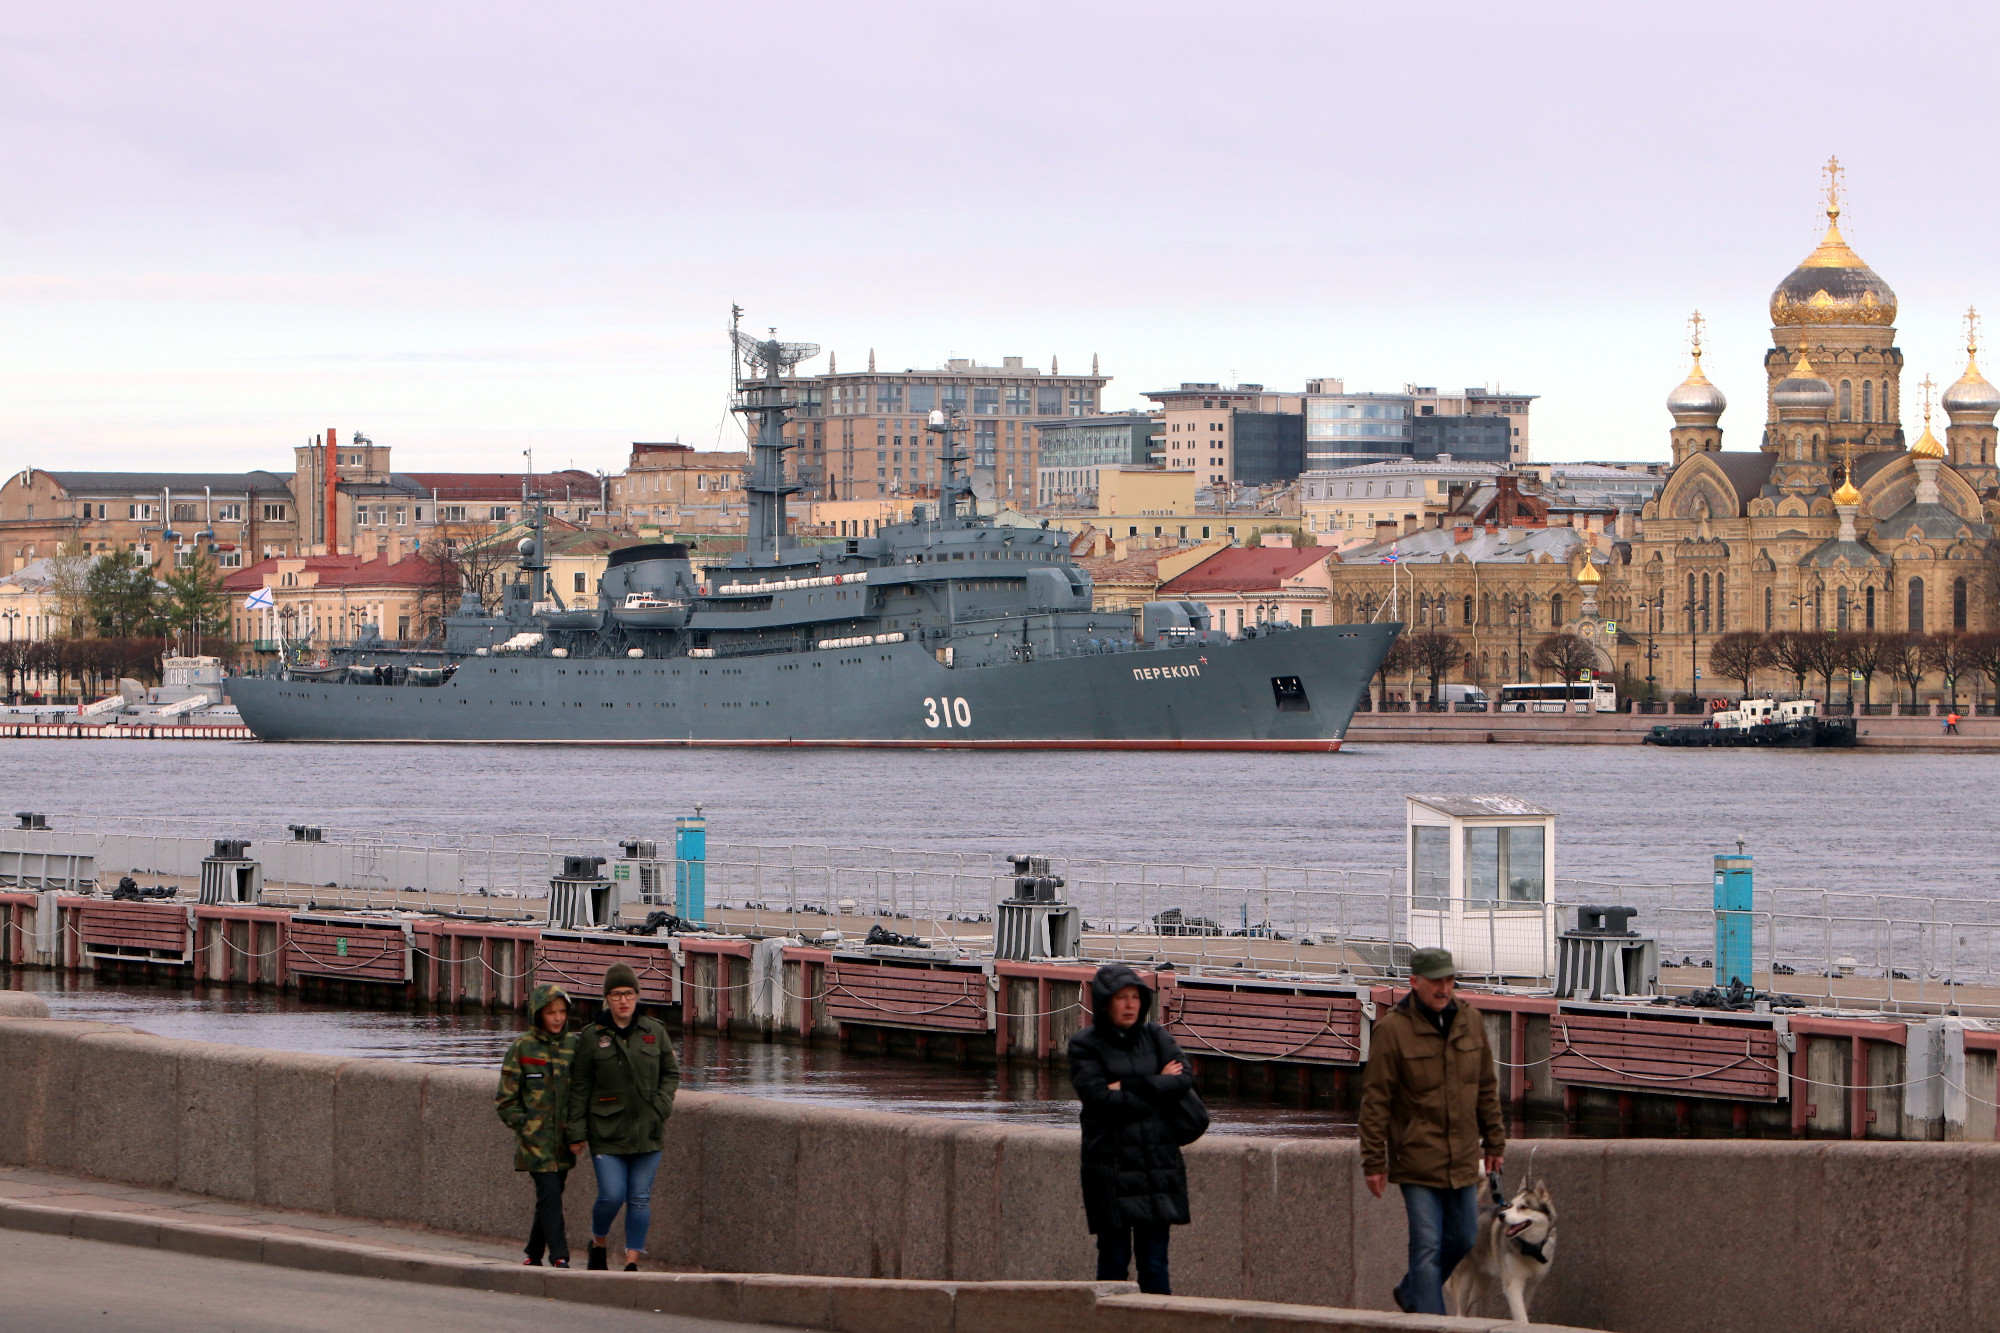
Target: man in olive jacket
point(621, 1091)
point(1430, 1122)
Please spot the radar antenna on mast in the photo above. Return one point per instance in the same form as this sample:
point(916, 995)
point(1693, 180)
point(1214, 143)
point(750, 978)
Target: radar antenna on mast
point(772, 356)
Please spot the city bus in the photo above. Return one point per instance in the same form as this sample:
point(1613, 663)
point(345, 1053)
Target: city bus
point(1583, 696)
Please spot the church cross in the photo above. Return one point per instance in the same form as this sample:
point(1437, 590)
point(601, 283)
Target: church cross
point(1832, 171)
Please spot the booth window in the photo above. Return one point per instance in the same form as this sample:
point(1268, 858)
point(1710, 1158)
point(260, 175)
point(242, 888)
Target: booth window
point(1430, 854)
point(1506, 858)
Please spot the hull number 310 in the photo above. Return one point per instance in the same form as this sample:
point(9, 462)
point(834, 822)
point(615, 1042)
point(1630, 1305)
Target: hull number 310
point(942, 712)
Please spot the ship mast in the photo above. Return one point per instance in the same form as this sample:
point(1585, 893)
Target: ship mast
point(766, 398)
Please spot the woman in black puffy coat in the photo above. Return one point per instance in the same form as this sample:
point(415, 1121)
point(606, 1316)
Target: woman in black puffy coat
point(1127, 1072)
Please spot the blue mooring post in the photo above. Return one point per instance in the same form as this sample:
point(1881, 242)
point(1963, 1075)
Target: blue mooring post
point(691, 867)
point(1732, 916)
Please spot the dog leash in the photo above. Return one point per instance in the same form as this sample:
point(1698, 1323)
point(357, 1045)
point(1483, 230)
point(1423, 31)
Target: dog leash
point(1493, 1183)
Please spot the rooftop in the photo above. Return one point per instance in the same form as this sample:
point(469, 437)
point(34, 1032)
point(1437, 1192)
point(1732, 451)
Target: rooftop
point(1236, 568)
point(337, 571)
point(151, 483)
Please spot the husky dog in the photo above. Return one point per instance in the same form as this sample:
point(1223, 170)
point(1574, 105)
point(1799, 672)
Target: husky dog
point(1515, 1247)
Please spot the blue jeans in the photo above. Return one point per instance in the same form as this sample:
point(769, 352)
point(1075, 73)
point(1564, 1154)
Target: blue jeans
point(1114, 1256)
point(1442, 1226)
point(624, 1180)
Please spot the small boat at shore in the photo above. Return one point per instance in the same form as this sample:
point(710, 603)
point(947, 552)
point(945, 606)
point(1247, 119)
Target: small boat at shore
point(1788, 724)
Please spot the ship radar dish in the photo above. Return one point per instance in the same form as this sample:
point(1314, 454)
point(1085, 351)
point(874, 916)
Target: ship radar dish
point(772, 356)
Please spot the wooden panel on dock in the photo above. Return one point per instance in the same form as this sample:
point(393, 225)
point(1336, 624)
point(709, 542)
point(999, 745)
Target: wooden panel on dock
point(349, 949)
point(576, 960)
point(899, 995)
point(1672, 1055)
point(1267, 1023)
point(141, 932)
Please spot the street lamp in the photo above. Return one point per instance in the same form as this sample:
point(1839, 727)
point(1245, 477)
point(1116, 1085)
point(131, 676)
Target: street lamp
point(1655, 610)
point(1517, 615)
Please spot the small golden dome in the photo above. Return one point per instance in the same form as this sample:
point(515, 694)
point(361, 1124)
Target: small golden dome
point(1927, 445)
point(1847, 495)
point(1589, 572)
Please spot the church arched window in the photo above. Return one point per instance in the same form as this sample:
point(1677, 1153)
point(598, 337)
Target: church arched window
point(1958, 603)
point(1691, 604)
point(1869, 608)
point(1705, 615)
point(1916, 622)
point(1840, 611)
point(1555, 611)
point(1468, 608)
point(1847, 400)
point(1867, 400)
point(1721, 603)
point(1769, 604)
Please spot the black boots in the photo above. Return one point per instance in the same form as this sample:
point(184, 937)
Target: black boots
point(599, 1257)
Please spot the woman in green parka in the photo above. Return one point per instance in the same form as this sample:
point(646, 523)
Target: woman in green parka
point(533, 1101)
point(621, 1092)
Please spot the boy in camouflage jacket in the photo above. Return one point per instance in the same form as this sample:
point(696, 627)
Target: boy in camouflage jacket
point(533, 1100)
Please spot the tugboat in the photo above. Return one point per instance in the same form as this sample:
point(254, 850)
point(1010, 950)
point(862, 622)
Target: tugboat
point(1790, 723)
point(949, 630)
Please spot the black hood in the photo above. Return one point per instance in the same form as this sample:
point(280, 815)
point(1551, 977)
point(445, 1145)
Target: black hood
point(1110, 979)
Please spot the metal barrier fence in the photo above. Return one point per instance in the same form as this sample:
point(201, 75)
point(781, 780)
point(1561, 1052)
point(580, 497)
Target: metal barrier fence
point(1832, 946)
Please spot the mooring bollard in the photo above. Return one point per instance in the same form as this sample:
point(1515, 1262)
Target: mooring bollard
point(1732, 916)
point(691, 867)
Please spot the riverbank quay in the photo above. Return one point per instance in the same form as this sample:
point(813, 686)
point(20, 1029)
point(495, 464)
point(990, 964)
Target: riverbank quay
point(1864, 1236)
point(1977, 735)
point(1299, 1038)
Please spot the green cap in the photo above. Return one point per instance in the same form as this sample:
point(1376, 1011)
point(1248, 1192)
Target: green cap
point(1432, 964)
point(621, 975)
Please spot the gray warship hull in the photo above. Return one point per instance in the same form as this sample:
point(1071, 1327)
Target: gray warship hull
point(1293, 691)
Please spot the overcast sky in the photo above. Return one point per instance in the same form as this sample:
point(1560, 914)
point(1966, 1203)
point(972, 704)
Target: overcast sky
point(473, 229)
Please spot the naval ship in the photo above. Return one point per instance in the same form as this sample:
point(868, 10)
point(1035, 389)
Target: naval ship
point(948, 631)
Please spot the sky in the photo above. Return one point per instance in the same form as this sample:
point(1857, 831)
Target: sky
point(474, 230)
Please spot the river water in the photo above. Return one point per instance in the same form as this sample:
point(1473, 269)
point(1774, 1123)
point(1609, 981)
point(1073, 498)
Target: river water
point(1841, 820)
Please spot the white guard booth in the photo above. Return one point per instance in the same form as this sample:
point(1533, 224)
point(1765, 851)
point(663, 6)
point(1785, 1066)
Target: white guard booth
point(1481, 872)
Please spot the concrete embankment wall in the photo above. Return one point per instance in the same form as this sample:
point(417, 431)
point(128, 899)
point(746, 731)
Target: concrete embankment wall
point(1656, 1236)
point(1981, 734)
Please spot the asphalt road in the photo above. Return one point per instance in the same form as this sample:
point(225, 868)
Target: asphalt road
point(49, 1284)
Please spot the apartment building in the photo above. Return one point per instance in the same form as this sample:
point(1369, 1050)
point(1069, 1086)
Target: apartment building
point(677, 488)
point(165, 516)
point(861, 435)
point(1203, 426)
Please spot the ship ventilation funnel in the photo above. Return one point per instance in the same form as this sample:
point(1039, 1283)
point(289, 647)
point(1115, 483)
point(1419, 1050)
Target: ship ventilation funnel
point(1035, 922)
point(230, 877)
point(580, 898)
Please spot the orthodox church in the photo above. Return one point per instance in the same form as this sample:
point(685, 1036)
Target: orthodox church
point(1835, 520)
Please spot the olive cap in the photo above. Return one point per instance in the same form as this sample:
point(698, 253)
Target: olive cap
point(1432, 964)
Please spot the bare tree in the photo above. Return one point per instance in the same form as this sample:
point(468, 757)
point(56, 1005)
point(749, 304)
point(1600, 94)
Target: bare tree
point(1566, 655)
point(69, 590)
point(1949, 653)
point(1434, 654)
point(466, 558)
point(1739, 655)
point(1822, 650)
point(1792, 652)
point(1396, 659)
point(1982, 657)
point(1861, 651)
point(1906, 657)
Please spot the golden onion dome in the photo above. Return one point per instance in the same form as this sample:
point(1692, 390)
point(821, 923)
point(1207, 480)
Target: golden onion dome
point(1927, 445)
point(1833, 286)
point(1589, 572)
point(1847, 495)
point(1696, 396)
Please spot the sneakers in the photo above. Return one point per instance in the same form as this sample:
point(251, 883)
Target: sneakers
point(631, 1268)
point(531, 1263)
point(599, 1259)
point(558, 1263)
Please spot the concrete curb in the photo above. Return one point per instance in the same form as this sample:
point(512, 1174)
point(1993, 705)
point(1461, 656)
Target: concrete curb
point(835, 1304)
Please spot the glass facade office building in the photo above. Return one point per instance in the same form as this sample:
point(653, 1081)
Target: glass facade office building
point(1468, 439)
point(1342, 430)
point(1270, 446)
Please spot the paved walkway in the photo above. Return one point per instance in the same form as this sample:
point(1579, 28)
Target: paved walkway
point(53, 1284)
point(103, 1196)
